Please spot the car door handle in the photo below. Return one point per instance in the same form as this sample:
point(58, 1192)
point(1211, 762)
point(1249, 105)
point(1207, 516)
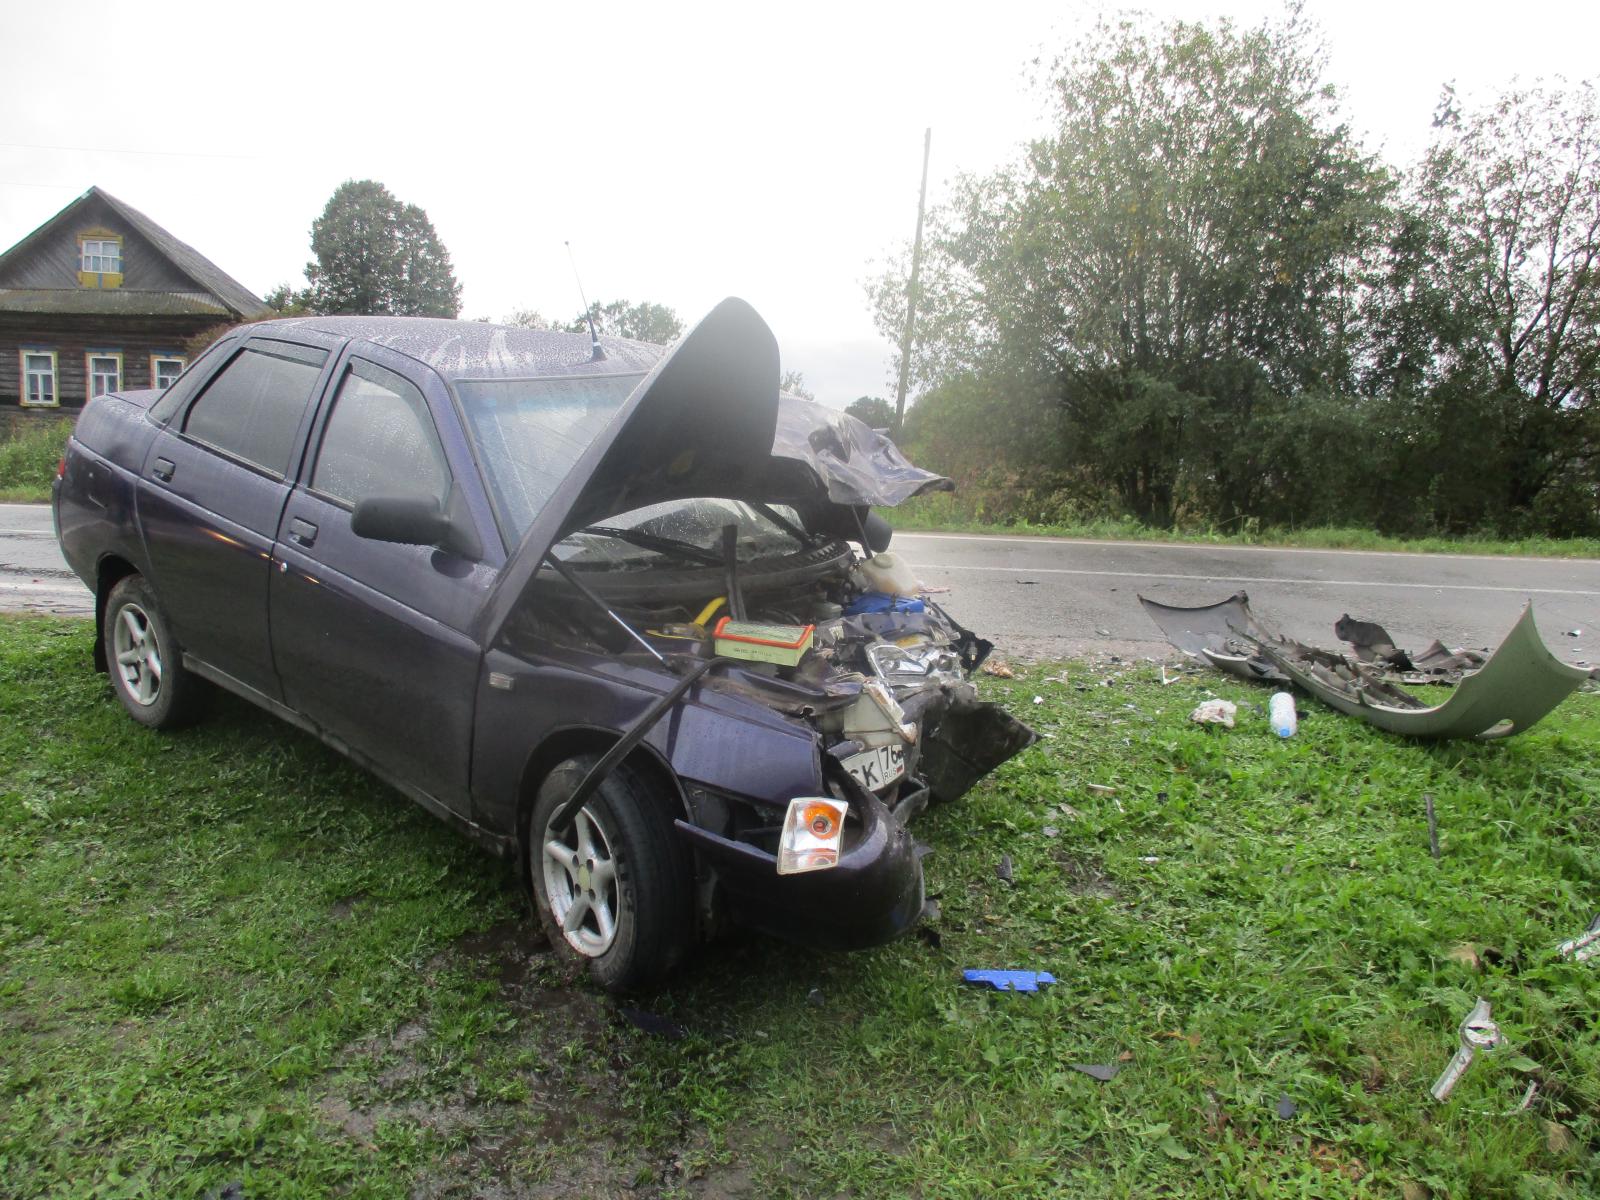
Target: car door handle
point(163, 469)
point(302, 533)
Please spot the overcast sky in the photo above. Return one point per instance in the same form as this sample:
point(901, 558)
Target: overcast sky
point(688, 151)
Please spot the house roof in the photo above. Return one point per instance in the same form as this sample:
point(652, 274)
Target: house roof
point(216, 292)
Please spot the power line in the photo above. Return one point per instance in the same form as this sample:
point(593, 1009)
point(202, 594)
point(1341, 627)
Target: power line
point(108, 150)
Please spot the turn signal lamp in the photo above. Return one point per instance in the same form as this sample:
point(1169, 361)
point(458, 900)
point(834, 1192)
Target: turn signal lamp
point(813, 830)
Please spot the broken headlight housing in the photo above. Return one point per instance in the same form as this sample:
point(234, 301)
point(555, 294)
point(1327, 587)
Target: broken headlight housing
point(912, 666)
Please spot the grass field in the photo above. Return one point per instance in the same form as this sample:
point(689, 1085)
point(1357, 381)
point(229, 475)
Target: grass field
point(226, 955)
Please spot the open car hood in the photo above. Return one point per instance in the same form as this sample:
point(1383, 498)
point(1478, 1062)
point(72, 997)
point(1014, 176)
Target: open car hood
point(708, 420)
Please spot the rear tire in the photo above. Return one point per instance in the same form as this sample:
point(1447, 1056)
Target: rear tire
point(614, 888)
point(143, 659)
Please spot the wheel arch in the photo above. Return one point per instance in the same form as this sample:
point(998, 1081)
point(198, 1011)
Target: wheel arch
point(567, 743)
point(110, 571)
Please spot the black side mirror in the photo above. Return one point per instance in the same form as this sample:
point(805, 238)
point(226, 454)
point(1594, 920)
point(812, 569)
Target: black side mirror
point(408, 520)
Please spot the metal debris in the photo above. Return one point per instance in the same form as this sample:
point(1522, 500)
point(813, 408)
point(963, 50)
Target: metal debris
point(1479, 1035)
point(1286, 1107)
point(1003, 870)
point(1517, 686)
point(1104, 1072)
point(1009, 981)
point(1585, 946)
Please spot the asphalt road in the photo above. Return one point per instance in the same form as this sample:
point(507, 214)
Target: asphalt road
point(1053, 597)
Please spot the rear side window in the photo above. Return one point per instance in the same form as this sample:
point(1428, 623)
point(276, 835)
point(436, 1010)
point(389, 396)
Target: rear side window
point(379, 441)
point(253, 407)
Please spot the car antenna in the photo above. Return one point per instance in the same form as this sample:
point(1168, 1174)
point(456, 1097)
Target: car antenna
point(596, 354)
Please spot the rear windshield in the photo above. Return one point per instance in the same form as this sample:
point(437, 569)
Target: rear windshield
point(530, 432)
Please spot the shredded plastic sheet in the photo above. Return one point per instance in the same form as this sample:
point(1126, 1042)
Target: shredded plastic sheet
point(1514, 689)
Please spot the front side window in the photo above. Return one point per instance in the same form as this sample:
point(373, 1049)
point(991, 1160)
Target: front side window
point(39, 378)
point(104, 373)
point(379, 441)
point(530, 432)
point(165, 369)
point(253, 407)
point(101, 256)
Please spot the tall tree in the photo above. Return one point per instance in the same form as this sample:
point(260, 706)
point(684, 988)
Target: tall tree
point(1169, 267)
point(1509, 197)
point(377, 255)
point(643, 322)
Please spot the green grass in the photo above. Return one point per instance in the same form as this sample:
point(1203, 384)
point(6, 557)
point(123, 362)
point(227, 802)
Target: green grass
point(945, 512)
point(225, 954)
point(28, 457)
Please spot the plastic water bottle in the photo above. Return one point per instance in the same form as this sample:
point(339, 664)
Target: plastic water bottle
point(1280, 712)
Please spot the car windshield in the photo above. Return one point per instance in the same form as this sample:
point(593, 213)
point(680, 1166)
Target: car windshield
point(530, 432)
point(682, 531)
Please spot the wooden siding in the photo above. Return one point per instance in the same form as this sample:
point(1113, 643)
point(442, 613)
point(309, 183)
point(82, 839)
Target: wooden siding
point(72, 339)
point(54, 262)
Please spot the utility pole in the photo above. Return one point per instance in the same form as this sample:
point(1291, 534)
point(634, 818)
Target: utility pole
point(911, 291)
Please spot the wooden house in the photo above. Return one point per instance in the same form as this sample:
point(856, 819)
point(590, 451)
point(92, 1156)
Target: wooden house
point(100, 298)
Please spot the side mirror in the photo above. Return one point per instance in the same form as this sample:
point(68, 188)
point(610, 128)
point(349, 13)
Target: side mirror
point(408, 520)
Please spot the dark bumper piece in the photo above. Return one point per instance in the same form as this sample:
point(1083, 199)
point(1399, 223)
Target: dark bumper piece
point(873, 896)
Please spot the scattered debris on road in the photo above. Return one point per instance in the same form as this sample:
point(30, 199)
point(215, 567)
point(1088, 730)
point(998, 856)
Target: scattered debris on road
point(1104, 1072)
point(1516, 686)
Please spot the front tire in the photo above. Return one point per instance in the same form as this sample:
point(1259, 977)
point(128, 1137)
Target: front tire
point(143, 660)
point(613, 888)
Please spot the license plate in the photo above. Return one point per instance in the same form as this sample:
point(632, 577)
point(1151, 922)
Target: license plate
point(877, 767)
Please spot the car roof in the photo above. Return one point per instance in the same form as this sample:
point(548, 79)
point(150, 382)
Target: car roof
point(479, 350)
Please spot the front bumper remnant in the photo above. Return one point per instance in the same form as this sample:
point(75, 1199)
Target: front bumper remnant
point(1518, 686)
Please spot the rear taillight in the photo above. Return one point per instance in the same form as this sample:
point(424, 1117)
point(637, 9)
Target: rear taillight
point(61, 466)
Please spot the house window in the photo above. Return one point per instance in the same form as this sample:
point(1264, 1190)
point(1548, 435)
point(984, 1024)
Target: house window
point(165, 369)
point(99, 259)
point(39, 378)
point(102, 256)
point(104, 372)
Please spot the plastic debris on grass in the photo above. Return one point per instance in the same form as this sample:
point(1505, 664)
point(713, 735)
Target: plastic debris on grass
point(1478, 1034)
point(1008, 981)
point(1215, 712)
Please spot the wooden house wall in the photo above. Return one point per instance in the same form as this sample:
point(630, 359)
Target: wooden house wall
point(72, 339)
point(54, 262)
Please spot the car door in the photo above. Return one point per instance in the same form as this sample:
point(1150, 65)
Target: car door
point(370, 638)
point(211, 495)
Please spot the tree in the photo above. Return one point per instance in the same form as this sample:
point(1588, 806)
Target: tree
point(1509, 201)
point(1168, 269)
point(794, 382)
point(873, 410)
point(643, 322)
point(377, 255)
point(527, 318)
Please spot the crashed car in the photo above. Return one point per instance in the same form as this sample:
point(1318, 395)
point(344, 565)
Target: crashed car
point(593, 602)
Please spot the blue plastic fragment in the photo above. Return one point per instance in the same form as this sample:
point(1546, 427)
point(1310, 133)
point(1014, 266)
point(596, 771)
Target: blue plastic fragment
point(878, 602)
point(1009, 981)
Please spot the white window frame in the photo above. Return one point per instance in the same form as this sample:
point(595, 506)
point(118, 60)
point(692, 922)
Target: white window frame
point(90, 375)
point(94, 252)
point(29, 374)
point(157, 359)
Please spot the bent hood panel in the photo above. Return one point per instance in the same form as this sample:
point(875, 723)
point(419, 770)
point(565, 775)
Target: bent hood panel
point(700, 423)
point(708, 421)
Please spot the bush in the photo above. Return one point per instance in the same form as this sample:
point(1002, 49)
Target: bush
point(29, 452)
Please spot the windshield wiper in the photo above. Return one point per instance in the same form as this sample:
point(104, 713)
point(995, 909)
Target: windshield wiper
point(661, 545)
point(782, 522)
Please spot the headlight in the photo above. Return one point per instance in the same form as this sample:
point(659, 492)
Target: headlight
point(813, 830)
point(902, 666)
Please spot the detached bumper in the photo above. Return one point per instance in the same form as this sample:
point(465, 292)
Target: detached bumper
point(873, 896)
